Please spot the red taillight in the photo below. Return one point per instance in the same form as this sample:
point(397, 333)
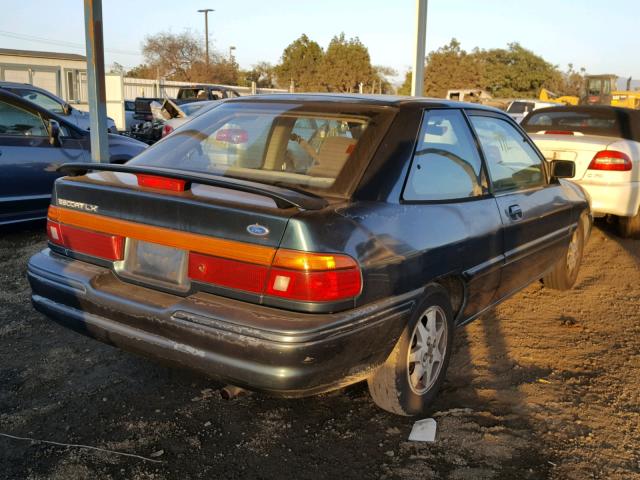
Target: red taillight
point(166, 130)
point(611, 160)
point(558, 132)
point(227, 273)
point(293, 275)
point(313, 277)
point(161, 183)
point(232, 135)
point(314, 286)
point(94, 244)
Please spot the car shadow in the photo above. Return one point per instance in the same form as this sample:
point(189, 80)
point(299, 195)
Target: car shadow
point(630, 245)
point(484, 386)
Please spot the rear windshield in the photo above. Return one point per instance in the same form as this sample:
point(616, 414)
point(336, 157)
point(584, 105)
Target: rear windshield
point(320, 149)
point(603, 122)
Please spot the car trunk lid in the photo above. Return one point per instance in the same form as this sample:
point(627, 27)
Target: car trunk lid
point(579, 149)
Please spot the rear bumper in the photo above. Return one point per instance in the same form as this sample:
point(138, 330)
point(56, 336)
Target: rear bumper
point(621, 199)
point(258, 347)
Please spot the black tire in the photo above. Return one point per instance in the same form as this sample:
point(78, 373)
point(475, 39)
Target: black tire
point(391, 386)
point(565, 272)
point(629, 227)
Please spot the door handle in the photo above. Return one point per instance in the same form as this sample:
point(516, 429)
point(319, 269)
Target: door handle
point(515, 212)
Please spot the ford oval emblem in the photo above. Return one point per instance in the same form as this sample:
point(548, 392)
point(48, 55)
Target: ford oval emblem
point(259, 230)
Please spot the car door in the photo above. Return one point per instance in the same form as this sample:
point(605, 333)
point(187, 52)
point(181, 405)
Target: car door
point(28, 161)
point(535, 213)
point(455, 222)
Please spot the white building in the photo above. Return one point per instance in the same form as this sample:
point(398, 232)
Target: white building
point(64, 74)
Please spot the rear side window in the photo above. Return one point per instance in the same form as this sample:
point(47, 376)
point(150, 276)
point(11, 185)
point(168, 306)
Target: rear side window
point(512, 162)
point(19, 122)
point(446, 164)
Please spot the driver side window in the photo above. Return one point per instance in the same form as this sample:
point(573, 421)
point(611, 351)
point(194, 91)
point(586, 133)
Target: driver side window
point(446, 164)
point(512, 162)
point(16, 121)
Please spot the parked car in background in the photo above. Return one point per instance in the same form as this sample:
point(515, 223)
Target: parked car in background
point(299, 243)
point(54, 104)
point(196, 93)
point(184, 113)
point(518, 109)
point(165, 117)
point(129, 113)
point(604, 143)
point(33, 143)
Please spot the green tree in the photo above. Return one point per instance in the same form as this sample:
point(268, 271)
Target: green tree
point(263, 73)
point(381, 82)
point(515, 71)
point(182, 57)
point(301, 63)
point(346, 65)
point(449, 67)
point(511, 72)
point(142, 71)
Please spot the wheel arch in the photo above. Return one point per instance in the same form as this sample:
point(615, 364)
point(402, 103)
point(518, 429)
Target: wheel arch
point(457, 291)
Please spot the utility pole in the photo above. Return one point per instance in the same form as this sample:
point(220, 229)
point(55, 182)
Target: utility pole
point(206, 30)
point(95, 81)
point(417, 80)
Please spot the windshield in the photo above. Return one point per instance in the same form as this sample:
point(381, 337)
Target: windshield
point(601, 121)
point(317, 149)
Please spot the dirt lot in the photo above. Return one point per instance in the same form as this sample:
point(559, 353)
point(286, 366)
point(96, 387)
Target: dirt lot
point(547, 386)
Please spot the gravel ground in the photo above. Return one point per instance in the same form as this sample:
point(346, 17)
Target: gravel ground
point(546, 386)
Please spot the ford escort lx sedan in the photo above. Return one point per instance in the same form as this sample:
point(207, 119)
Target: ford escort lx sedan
point(295, 244)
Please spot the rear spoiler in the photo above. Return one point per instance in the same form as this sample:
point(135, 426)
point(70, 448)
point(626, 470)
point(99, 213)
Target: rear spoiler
point(283, 197)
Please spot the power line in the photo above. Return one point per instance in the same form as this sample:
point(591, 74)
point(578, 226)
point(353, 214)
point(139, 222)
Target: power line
point(61, 43)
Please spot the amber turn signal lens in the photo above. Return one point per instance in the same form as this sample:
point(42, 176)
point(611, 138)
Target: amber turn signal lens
point(306, 261)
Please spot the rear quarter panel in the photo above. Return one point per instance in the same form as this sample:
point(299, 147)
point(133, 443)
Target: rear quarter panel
point(401, 248)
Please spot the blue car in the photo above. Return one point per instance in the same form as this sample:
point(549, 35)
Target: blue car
point(33, 143)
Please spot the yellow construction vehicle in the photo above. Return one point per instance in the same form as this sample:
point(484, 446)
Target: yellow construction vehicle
point(602, 90)
point(599, 90)
point(549, 96)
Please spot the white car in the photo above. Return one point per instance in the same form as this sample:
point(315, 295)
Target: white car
point(518, 109)
point(604, 144)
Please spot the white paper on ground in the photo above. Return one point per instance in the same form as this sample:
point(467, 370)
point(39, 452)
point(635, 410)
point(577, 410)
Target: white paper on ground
point(423, 431)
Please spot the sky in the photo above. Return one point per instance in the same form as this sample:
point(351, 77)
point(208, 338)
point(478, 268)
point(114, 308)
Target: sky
point(600, 36)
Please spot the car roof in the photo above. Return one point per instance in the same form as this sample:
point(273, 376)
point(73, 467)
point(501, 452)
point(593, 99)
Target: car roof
point(21, 85)
point(4, 84)
point(399, 101)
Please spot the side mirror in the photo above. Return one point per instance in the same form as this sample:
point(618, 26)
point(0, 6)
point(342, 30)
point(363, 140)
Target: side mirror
point(563, 169)
point(66, 109)
point(54, 133)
